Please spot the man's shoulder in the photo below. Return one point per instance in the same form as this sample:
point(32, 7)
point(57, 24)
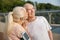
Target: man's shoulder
point(40, 17)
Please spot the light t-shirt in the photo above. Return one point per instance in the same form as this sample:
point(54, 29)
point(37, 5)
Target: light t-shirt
point(39, 29)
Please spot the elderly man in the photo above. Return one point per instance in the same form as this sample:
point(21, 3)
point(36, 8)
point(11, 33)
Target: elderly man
point(38, 27)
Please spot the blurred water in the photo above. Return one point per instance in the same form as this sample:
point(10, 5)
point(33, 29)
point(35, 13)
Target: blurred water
point(56, 29)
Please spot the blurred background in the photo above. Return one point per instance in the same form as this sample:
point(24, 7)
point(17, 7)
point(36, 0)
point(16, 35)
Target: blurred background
point(47, 8)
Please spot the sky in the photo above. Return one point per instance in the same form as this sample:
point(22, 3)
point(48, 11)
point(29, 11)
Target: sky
point(54, 2)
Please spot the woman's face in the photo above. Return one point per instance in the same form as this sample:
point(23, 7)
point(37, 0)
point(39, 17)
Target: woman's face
point(20, 19)
point(15, 18)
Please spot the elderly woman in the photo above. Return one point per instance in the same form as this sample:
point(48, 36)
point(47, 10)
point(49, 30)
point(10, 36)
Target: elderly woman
point(15, 21)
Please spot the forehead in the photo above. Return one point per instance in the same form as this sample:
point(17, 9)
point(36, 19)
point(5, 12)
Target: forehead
point(29, 6)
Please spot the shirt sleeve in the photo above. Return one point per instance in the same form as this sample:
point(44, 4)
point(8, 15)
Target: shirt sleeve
point(48, 27)
point(16, 32)
point(19, 30)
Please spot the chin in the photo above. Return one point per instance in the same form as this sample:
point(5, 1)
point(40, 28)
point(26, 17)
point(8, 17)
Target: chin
point(31, 17)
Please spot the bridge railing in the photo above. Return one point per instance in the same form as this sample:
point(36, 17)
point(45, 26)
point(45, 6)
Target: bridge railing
point(53, 16)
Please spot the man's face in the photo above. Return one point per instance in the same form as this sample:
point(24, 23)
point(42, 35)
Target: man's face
point(31, 11)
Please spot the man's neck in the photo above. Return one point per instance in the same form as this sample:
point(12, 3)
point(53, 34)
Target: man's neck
point(31, 20)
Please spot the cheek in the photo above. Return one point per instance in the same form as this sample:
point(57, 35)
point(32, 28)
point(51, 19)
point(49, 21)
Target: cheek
point(16, 20)
point(33, 13)
point(29, 11)
point(33, 10)
point(26, 16)
point(22, 21)
point(29, 14)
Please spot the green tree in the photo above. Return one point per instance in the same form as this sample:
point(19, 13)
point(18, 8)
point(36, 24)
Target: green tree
point(8, 5)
